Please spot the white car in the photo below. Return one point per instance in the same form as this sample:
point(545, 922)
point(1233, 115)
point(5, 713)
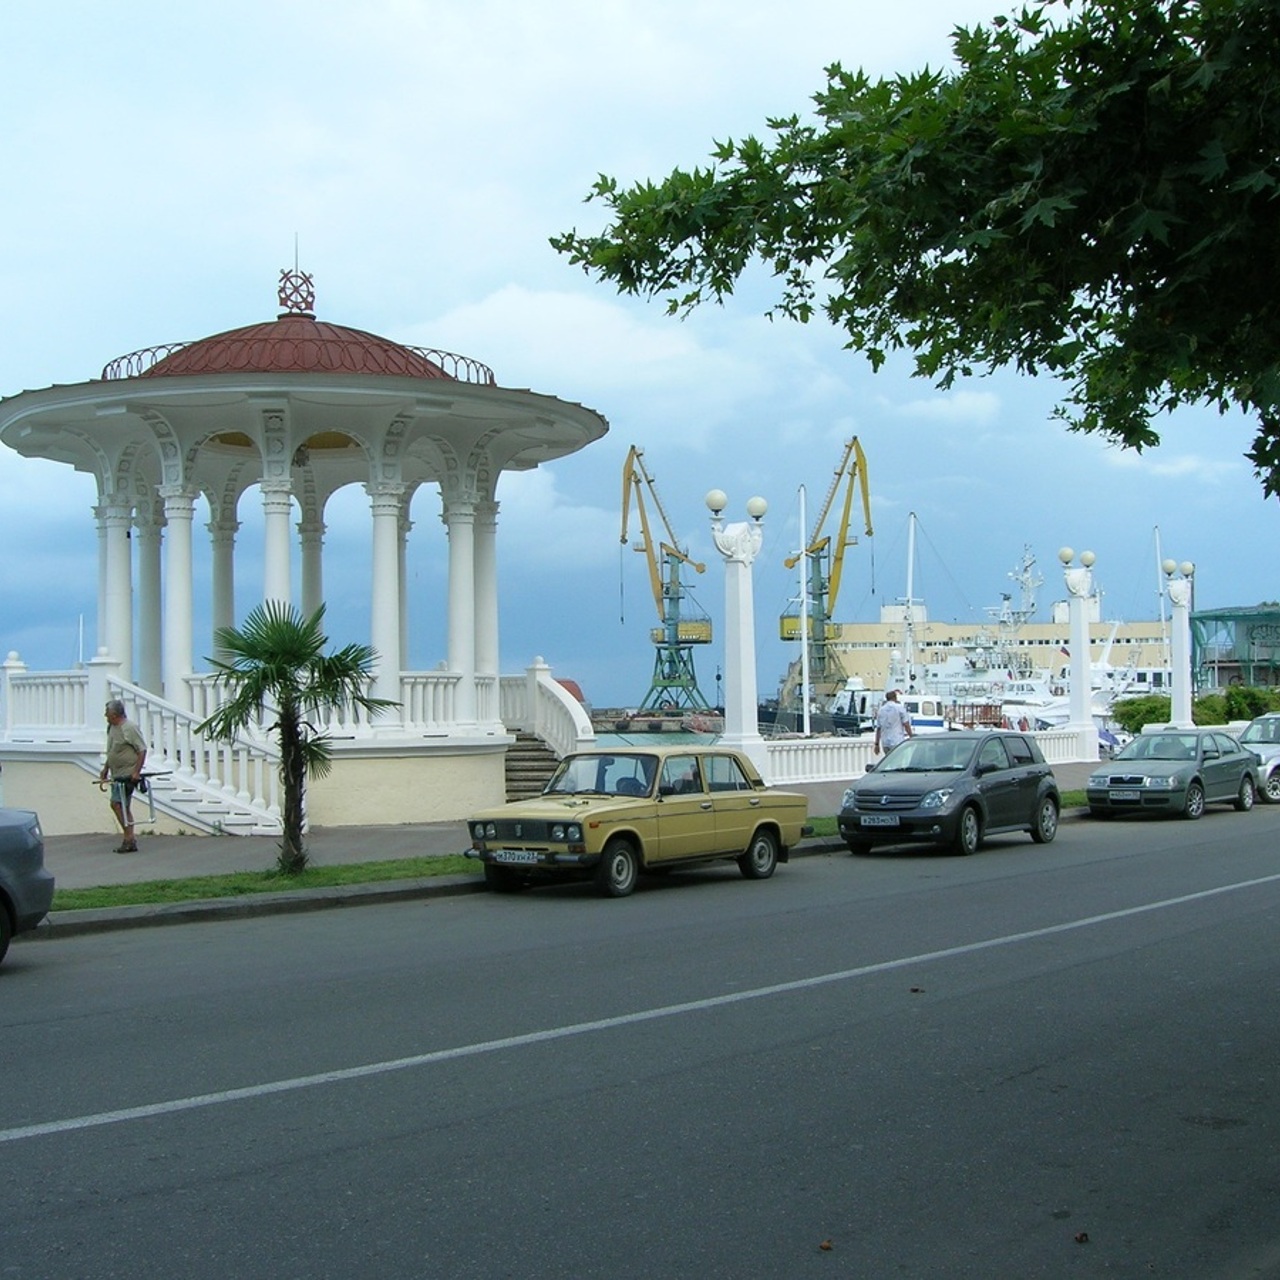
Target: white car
point(1262, 737)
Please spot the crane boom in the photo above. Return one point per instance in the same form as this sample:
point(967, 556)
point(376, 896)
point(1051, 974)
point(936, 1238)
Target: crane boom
point(674, 684)
point(635, 480)
point(853, 470)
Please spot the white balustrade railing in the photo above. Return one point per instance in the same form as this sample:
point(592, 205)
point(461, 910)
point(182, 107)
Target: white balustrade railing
point(44, 701)
point(65, 706)
point(427, 701)
point(242, 768)
point(792, 760)
point(541, 705)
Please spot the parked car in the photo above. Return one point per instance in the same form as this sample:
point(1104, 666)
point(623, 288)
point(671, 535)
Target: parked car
point(1175, 771)
point(609, 815)
point(26, 888)
point(1262, 737)
point(953, 789)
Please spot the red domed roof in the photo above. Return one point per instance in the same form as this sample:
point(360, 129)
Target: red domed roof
point(295, 343)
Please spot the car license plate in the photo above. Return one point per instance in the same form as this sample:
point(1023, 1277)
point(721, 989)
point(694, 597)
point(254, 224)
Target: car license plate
point(879, 819)
point(1126, 793)
point(514, 855)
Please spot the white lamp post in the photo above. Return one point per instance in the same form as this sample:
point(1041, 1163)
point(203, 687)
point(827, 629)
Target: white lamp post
point(739, 544)
point(1079, 588)
point(1179, 589)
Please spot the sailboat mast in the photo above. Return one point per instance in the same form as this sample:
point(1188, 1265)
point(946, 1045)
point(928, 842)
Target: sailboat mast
point(804, 614)
point(907, 620)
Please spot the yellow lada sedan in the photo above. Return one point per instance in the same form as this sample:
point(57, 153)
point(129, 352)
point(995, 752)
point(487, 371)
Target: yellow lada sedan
point(609, 815)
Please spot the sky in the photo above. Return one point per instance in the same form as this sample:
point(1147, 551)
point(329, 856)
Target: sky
point(162, 162)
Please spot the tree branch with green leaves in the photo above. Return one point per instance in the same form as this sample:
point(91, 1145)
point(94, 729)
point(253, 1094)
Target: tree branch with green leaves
point(1091, 193)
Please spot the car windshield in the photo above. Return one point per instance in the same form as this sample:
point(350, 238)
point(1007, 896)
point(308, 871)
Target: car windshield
point(604, 775)
point(1265, 731)
point(940, 754)
point(1160, 746)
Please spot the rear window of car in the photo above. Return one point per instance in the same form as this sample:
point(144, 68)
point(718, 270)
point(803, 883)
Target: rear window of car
point(993, 753)
point(680, 776)
point(724, 773)
point(1021, 751)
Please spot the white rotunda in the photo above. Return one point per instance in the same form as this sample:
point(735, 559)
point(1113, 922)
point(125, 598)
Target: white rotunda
point(298, 408)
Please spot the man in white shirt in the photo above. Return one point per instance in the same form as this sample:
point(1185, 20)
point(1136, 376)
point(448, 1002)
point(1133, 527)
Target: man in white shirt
point(893, 725)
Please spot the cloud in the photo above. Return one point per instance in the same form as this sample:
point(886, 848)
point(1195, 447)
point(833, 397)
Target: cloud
point(955, 408)
point(1153, 463)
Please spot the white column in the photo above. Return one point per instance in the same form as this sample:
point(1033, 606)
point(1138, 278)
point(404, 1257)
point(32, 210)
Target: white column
point(402, 572)
point(115, 515)
point(459, 519)
point(276, 506)
point(739, 544)
point(1180, 642)
point(179, 508)
point(486, 603)
point(384, 627)
point(150, 672)
point(311, 535)
point(1079, 588)
point(103, 560)
point(222, 548)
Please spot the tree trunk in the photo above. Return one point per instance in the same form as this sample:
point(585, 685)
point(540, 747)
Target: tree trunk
point(293, 777)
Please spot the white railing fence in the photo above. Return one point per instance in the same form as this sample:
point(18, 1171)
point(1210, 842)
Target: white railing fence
point(538, 704)
point(243, 769)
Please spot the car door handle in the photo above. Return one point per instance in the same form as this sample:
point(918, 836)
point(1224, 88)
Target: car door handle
point(706, 804)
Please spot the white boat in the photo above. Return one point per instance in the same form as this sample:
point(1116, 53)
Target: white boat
point(990, 680)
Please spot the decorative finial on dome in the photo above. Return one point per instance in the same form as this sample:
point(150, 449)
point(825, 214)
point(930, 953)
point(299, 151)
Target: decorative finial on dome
point(297, 293)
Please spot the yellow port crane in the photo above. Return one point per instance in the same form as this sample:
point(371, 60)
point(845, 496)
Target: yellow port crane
point(674, 686)
point(825, 567)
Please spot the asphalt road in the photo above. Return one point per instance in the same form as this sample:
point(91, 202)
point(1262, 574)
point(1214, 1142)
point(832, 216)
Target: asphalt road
point(1040, 1061)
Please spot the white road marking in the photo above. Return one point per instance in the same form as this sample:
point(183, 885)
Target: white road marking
point(74, 1123)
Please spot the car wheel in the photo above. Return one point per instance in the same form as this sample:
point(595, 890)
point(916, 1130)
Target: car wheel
point(761, 858)
point(617, 869)
point(1271, 787)
point(1246, 795)
point(969, 832)
point(6, 930)
point(1045, 826)
point(502, 879)
point(1193, 805)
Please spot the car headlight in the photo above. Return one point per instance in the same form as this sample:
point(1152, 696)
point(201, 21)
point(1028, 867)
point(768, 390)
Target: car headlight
point(1097, 780)
point(936, 799)
point(566, 832)
point(850, 793)
point(1164, 781)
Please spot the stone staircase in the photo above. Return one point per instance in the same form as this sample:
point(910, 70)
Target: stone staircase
point(207, 807)
point(529, 763)
point(195, 804)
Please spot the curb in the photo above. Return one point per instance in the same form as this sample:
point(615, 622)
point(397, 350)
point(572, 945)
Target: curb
point(70, 924)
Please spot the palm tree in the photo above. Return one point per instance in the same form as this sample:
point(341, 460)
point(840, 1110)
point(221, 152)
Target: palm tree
point(277, 664)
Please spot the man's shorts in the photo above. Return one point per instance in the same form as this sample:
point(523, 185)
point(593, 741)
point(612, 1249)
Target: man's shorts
point(121, 791)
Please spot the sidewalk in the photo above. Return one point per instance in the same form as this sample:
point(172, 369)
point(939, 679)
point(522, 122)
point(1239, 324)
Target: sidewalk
point(81, 862)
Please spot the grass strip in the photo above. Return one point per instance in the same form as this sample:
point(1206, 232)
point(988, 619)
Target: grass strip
point(239, 883)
